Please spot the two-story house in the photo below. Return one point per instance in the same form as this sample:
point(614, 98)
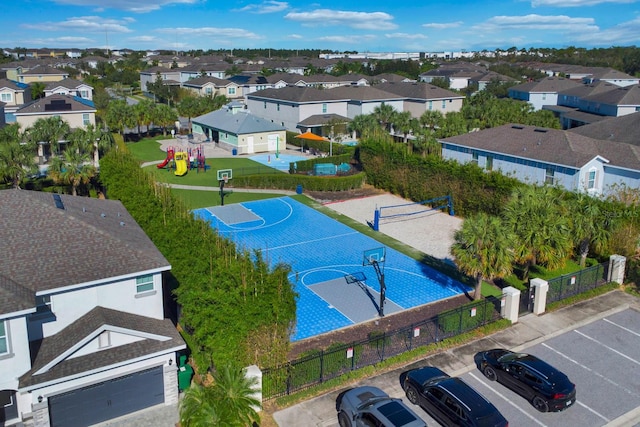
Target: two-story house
point(71, 87)
point(43, 74)
point(14, 94)
point(213, 86)
point(83, 333)
point(540, 156)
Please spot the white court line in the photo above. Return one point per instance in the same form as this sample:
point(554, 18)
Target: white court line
point(506, 399)
point(622, 327)
point(592, 411)
point(308, 241)
point(631, 392)
point(608, 348)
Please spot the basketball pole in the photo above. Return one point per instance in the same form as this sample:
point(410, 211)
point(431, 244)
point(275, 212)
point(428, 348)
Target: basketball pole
point(383, 287)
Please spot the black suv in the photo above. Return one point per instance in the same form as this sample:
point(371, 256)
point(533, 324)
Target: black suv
point(449, 400)
point(544, 386)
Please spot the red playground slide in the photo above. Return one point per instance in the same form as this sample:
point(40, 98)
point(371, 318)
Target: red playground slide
point(170, 153)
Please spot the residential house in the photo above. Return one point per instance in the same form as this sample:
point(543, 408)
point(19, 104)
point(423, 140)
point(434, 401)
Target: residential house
point(69, 87)
point(249, 83)
point(616, 102)
point(542, 92)
point(610, 75)
point(14, 94)
point(150, 75)
point(83, 333)
point(389, 78)
point(212, 86)
point(624, 129)
point(422, 97)
point(235, 129)
point(43, 74)
point(549, 156)
point(483, 79)
point(200, 69)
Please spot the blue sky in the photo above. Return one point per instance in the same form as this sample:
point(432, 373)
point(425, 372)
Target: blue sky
point(373, 26)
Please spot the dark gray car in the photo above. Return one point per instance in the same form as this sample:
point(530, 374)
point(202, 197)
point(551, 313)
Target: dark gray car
point(369, 406)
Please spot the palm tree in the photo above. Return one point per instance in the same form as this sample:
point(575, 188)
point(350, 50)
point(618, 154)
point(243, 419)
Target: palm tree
point(119, 115)
point(404, 123)
point(164, 116)
point(589, 225)
point(483, 249)
point(189, 107)
point(51, 130)
point(17, 157)
point(230, 401)
point(384, 114)
point(539, 217)
point(144, 113)
point(362, 123)
point(73, 169)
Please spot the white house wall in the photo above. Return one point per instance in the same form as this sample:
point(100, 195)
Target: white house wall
point(69, 306)
point(116, 339)
point(18, 361)
point(614, 178)
point(594, 165)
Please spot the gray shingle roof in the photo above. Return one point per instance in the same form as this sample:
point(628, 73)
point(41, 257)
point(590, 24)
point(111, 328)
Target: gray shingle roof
point(45, 69)
point(621, 129)
point(201, 81)
point(323, 119)
point(90, 240)
point(418, 90)
point(14, 297)
point(588, 89)
point(57, 102)
point(10, 84)
point(67, 83)
point(547, 85)
point(238, 123)
point(56, 345)
point(627, 95)
point(549, 145)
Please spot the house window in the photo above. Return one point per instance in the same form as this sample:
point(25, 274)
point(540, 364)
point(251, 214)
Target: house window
point(85, 119)
point(84, 94)
point(324, 108)
point(549, 177)
point(591, 182)
point(489, 165)
point(474, 158)
point(444, 104)
point(265, 104)
point(208, 91)
point(6, 97)
point(43, 304)
point(144, 283)
point(104, 339)
point(430, 105)
point(278, 107)
point(232, 91)
point(4, 339)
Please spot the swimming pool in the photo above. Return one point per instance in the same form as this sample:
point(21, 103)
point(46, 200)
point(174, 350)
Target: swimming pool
point(277, 161)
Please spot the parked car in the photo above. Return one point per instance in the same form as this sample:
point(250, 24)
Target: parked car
point(544, 386)
point(369, 406)
point(449, 400)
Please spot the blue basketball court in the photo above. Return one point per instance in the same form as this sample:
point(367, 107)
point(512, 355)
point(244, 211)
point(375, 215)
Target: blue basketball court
point(323, 254)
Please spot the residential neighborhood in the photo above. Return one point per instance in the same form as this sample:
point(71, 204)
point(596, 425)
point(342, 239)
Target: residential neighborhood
point(123, 270)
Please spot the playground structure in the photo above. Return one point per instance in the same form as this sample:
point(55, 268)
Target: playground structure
point(409, 209)
point(184, 161)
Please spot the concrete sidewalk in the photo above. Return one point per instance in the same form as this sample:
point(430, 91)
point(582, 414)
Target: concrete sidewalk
point(528, 331)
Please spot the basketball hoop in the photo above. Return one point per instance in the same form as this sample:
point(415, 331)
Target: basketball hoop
point(225, 178)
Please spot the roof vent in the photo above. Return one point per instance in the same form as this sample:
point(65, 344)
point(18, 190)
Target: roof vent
point(103, 215)
point(517, 127)
point(121, 223)
point(540, 130)
point(84, 209)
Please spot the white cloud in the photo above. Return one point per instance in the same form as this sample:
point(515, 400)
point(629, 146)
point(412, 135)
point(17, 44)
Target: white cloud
point(443, 25)
point(213, 32)
point(560, 23)
point(81, 24)
point(143, 39)
point(346, 39)
point(626, 33)
point(295, 36)
point(265, 7)
point(59, 41)
point(358, 20)
point(139, 6)
point(406, 36)
point(575, 3)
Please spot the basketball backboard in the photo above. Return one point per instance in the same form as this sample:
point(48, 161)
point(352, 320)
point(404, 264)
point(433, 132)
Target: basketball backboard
point(225, 173)
point(373, 256)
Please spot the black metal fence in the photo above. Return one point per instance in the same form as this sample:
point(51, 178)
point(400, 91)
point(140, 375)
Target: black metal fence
point(340, 359)
point(572, 284)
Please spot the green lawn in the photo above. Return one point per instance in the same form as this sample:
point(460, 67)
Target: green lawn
point(148, 149)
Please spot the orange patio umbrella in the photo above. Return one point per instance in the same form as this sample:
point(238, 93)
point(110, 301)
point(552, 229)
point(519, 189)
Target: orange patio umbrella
point(311, 136)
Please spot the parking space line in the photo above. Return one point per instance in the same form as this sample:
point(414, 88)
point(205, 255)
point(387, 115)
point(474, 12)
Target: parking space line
point(622, 327)
point(607, 347)
point(507, 400)
point(592, 411)
point(599, 375)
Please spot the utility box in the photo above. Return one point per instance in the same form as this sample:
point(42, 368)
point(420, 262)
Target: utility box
point(185, 373)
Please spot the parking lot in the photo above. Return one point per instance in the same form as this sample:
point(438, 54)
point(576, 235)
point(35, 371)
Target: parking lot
point(596, 343)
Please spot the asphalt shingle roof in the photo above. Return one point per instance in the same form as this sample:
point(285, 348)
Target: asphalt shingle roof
point(90, 240)
point(56, 345)
point(549, 145)
point(620, 129)
point(238, 123)
point(71, 103)
point(546, 85)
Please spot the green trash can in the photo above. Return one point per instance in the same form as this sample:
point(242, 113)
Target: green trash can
point(185, 373)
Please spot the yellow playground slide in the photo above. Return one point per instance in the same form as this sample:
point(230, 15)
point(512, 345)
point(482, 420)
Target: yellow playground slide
point(181, 163)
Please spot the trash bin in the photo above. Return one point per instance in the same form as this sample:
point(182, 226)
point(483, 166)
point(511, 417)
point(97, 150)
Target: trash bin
point(185, 373)
point(299, 189)
point(234, 151)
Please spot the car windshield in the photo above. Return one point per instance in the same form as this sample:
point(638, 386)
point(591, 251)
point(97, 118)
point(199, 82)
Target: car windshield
point(436, 380)
point(510, 357)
